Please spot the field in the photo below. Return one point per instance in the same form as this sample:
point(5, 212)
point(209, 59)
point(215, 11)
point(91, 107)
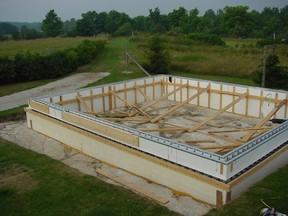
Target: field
point(50, 188)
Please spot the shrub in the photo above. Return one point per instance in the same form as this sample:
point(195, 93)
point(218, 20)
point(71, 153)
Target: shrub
point(276, 76)
point(28, 67)
point(202, 38)
point(158, 59)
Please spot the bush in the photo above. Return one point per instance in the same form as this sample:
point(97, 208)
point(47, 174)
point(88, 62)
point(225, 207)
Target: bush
point(158, 59)
point(29, 67)
point(264, 42)
point(276, 76)
point(202, 39)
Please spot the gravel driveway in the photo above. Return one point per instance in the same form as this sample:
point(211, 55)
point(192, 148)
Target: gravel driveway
point(69, 83)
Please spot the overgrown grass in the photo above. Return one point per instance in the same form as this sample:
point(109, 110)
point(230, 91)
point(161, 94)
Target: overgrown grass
point(17, 87)
point(227, 79)
point(41, 46)
point(272, 189)
point(34, 184)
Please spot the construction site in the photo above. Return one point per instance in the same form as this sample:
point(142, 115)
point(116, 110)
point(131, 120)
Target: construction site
point(204, 139)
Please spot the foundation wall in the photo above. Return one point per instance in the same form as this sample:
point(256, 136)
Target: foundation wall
point(224, 167)
point(172, 176)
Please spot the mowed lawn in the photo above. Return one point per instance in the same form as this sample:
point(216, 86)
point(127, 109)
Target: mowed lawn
point(33, 184)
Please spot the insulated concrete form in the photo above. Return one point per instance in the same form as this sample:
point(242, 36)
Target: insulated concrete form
point(212, 178)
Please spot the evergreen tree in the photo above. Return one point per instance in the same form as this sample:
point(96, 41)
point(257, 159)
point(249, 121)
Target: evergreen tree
point(158, 58)
point(52, 25)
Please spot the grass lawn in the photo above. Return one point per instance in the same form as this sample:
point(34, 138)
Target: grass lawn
point(272, 189)
point(34, 184)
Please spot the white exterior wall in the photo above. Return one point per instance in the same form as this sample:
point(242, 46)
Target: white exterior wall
point(202, 161)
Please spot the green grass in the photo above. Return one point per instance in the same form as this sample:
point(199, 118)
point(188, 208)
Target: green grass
point(13, 114)
point(226, 79)
point(113, 60)
point(17, 87)
point(41, 46)
point(34, 184)
point(272, 189)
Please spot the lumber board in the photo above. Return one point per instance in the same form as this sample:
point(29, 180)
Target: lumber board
point(219, 146)
point(173, 109)
point(132, 186)
point(199, 121)
point(219, 112)
point(200, 141)
point(239, 130)
point(87, 109)
point(264, 120)
point(177, 129)
point(130, 105)
point(105, 130)
point(39, 106)
point(144, 95)
point(160, 99)
point(126, 120)
point(222, 138)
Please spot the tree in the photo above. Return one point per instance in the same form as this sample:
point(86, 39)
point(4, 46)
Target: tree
point(276, 75)
point(87, 25)
point(158, 58)
point(52, 25)
point(236, 21)
point(124, 30)
point(115, 20)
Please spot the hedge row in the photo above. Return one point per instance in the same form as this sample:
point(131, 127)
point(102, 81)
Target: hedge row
point(29, 67)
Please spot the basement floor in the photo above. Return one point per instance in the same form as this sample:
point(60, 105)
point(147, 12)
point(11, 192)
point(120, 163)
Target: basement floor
point(220, 135)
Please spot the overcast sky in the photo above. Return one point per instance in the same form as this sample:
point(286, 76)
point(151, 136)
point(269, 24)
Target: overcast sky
point(35, 10)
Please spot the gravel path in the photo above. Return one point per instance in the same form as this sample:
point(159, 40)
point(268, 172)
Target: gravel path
point(72, 82)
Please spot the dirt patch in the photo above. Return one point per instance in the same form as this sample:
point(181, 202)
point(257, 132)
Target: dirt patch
point(17, 176)
point(69, 83)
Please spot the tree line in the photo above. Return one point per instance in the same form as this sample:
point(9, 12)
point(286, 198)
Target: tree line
point(235, 21)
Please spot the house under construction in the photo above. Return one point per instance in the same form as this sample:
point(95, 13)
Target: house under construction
point(205, 139)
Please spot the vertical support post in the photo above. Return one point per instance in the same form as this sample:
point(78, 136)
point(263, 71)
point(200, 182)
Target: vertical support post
point(264, 68)
point(127, 59)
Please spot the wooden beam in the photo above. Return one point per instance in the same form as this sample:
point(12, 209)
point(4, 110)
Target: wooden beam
point(127, 120)
point(133, 187)
point(177, 129)
point(264, 120)
point(240, 130)
point(87, 109)
point(222, 138)
point(218, 113)
point(180, 105)
point(219, 146)
point(144, 95)
point(130, 105)
point(160, 99)
point(200, 141)
point(199, 121)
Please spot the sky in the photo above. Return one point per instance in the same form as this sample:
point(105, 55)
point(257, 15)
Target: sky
point(35, 10)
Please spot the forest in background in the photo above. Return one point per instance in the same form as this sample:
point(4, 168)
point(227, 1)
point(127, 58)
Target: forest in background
point(236, 22)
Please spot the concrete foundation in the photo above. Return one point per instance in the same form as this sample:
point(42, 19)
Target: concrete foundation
point(74, 119)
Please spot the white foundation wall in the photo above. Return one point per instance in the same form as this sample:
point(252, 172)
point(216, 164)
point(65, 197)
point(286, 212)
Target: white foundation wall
point(201, 188)
point(266, 167)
